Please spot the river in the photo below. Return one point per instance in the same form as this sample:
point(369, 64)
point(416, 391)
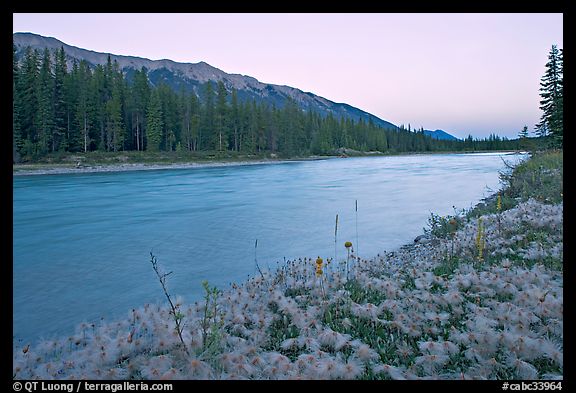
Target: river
point(82, 242)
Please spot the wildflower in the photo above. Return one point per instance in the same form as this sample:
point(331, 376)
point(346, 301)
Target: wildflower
point(394, 372)
point(276, 358)
point(243, 369)
point(430, 363)
point(552, 376)
point(413, 331)
point(348, 244)
point(329, 369)
point(365, 353)
point(319, 263)
point(480, 239)
point(453, 297)
point(439, 348)
point(524, 370)
point(351, 370)
point(368, 311)
point(449, 347)
point(404, 350)
point(170, 374)
point(474, 355)
point(289, 343)
point(429, 346)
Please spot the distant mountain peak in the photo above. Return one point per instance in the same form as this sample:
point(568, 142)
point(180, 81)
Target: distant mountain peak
point(440, 134)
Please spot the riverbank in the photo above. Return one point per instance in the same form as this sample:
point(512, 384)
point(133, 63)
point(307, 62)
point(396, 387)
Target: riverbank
point(481, 298)
point(58, 169)
point(116, 164)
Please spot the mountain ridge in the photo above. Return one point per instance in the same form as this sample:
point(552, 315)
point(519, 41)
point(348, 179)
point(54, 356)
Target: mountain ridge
point(192, 76)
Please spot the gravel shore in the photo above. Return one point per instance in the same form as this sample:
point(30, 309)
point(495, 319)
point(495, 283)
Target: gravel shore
point(57, 170)
point(26, 170)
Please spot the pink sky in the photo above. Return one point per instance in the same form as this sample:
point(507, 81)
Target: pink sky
point(463, 73)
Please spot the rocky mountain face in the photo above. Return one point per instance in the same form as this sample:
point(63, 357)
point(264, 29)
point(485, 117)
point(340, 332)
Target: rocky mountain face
point(192, 77)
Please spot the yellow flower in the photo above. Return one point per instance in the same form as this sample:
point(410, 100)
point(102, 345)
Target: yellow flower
point(348, 244)
point(499, 202)
point(318, 271)
point(480, 242)
point(319, 262)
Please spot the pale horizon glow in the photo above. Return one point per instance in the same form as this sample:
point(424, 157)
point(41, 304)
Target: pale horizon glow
point(463, 73)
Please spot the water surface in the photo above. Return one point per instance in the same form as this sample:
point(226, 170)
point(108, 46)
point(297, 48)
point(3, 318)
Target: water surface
point(82, 242)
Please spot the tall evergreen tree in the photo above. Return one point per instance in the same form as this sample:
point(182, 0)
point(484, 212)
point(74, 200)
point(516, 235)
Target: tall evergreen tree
point(17, 140)
point(194, 134)
point(47, 137)
point(154, 122)
point(99, 94)
point(84, 107)
point(221, 134)
point(27, 85)
point(235, 120)
point(114, 125)
point(207, 129)
point(140, 94)
point(551, 92)
point(61, 115)
point(170, 115)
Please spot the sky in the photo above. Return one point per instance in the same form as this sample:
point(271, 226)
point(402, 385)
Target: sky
point(466, 74)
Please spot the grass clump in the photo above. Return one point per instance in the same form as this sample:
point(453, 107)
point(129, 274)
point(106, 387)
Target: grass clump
point(540, 177)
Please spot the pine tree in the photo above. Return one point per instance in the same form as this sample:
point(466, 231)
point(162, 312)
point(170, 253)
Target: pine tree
point(221, 134)
point(114, 126)
point(27, 85)
point(61, 115)
point(551, 92)
point(99, 97)
point(194, 121)
point(170, 116)
point(140, 94)
point(235, 120)
point(84, 108)
point(186, 121)
point(17, 141)
point(207, 130)
point(154, 122)
point(45, 115)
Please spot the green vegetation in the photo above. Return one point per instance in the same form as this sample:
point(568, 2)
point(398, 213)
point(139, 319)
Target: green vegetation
point(540, 178)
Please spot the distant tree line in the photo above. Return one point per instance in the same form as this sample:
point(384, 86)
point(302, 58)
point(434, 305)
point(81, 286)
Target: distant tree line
point(101, 109)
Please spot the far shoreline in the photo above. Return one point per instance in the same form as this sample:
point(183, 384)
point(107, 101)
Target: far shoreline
point(59, 169)
point(37, 169)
